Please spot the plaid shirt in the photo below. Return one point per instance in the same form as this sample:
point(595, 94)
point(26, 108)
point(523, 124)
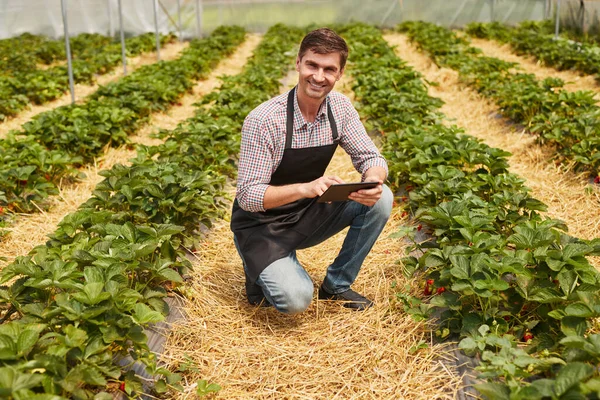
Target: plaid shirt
point(263, 142)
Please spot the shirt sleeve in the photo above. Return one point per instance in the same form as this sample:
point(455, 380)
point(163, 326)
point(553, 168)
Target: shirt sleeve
point(357, 143)
point(255, 166)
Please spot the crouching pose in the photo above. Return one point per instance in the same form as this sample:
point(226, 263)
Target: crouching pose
point(287, 143)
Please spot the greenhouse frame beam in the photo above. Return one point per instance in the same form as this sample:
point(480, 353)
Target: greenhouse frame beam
point(68, 49)
point(155, 3)
point(557, 25)
point(179, 20)
point(123, 56)
point(199, 18)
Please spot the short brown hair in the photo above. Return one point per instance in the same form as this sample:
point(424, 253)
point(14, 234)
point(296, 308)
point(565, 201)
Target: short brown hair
point(324, 41)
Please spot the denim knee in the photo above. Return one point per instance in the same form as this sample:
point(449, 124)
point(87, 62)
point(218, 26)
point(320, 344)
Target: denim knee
point(383, 207)
point(295, 299)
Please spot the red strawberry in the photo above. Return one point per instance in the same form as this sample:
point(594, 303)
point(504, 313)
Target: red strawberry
point(441, 290)
point(527, 336)
point(427, 291)
point(122, 386)
point(419, 228)
point(597, 179)
point(506, 318)
point(404, 214)
point(430, 281)
point(1, 210)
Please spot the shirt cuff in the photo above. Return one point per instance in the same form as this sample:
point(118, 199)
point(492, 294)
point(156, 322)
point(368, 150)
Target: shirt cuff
point(253, 199)
point(375, 162)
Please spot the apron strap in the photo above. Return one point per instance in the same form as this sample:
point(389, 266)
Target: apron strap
point(290, 121)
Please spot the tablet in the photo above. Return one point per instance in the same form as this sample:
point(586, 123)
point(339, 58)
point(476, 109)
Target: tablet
point(340, 192)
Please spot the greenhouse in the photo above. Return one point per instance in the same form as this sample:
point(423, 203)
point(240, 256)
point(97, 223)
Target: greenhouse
point(299, 199)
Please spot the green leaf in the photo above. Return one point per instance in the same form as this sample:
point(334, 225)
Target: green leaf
point(145, 315)
point(579, 310)
point(204, 388)
point(493, 391)
point(570, 375)
point(575, 326)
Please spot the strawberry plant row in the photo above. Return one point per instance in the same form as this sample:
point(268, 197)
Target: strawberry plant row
point(531, 38)
point(82, 300)
point(567, 121)
point(508, 281)
point(55, 142)
point(92, 55)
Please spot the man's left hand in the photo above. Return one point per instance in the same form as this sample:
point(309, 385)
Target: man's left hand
point(368, 197)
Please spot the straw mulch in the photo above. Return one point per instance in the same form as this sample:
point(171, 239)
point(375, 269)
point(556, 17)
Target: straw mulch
point(574, 80)
point(563, 191)
point(327, 352)
point(30, 230)
point(169, 52)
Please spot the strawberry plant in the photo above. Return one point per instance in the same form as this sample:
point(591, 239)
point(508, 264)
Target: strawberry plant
point(508, 273)
point(85, 297)
point(77, 133)
point(564, 120)
point(93, 55)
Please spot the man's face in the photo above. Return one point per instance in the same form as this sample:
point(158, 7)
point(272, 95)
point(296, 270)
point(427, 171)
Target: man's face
point(318, 73)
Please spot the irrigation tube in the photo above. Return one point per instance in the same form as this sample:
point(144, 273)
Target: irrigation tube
point(122, 39)
point(68, 47)
point(156, 29)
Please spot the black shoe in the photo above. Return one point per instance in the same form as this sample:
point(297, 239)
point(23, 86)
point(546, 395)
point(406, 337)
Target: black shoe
point(350, 298)
point(255, 294)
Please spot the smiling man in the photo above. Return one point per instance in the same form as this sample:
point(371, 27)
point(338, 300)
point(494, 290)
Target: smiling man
point(287, 143)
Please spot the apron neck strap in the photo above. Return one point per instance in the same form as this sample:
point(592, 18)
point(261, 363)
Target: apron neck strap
point(290, 120)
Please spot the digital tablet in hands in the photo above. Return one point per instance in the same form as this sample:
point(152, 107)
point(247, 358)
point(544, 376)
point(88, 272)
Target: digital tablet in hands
point(340, 192)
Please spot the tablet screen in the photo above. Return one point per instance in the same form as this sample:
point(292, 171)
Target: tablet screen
point(340, 192)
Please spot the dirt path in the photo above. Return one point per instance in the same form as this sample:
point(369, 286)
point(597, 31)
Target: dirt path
point(169, 52)
point(563, 192)
point(574, 80)
point(327, 352)
point(30, 230)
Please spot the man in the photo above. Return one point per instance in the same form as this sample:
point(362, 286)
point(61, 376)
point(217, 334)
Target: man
point(287, 143)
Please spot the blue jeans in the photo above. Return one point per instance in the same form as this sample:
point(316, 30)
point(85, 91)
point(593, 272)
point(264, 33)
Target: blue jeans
point(287, 285)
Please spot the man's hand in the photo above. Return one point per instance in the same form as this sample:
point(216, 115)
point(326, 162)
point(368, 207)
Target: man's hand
point(368, 197)
point(317, 187)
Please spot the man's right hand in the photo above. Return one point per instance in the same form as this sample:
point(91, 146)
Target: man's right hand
point(317, 187)
point(276, 196)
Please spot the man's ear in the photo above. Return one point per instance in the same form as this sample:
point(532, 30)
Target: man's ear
point(298, 63)
point(341, 74)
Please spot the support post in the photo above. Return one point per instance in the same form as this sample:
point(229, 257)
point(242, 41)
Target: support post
point(198, 18)
point(111, 29)
point(557, 25)
point(122, 39)
point(68, 48)
point(179, 20)
point(155, 3)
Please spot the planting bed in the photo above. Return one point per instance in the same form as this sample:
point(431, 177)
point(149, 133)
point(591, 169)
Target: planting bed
point(470, 256)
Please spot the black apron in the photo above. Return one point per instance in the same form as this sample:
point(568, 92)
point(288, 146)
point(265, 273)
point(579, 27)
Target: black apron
point(265, 237)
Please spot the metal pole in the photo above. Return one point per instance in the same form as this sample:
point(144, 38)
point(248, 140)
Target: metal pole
point(122, 39)
point(111, 30)
point(179, 20)
point(68, 47)
point(156, 29)
point(198, 19)
point(557, 19)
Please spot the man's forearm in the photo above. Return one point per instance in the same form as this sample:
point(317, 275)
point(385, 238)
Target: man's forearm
point(276, 196)
point(376, 173)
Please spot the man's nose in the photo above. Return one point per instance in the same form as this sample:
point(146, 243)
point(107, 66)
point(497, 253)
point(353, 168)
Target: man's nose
point(319, 75)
